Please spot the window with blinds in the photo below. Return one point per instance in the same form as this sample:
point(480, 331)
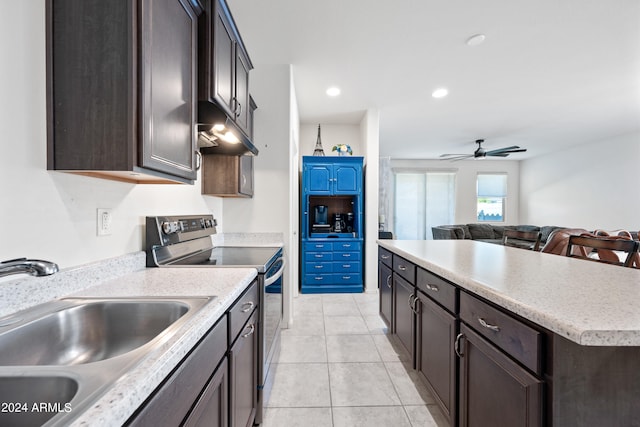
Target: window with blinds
point(492, 196)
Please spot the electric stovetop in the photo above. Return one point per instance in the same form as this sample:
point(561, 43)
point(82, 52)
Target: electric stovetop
point(230, 256)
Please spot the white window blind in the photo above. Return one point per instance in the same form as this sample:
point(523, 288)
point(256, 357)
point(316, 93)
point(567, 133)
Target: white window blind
point(422, 200)
point(492, 185)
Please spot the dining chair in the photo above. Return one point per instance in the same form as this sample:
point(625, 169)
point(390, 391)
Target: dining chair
point(522, 239)
point(605, 248)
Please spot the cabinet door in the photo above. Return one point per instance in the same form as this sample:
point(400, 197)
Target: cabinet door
point(224, 60)
point(168, 69)
point(246, 175)
point(404, 316)
point(346, 179)
point(212, 409)
point(436, 360)
point(242, 107)
point(318, 178)
point(494, 390)
point(243, 359)
point(385, 284)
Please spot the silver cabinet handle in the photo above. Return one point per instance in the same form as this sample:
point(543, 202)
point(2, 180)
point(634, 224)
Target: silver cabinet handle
point(346, 245)
point(346, 277)
point(389, 281)
point(433, 288)
point(410, 301)
point(318, 266)
point(252, 328)
point(346, 265)
point(415, 307)
point(346, 255)
point(402, 267)
point(319, 256)
point(488, 325)
point(456, 345)
point(319, 246)
point(198, 160)
point(385, 256)
point(249, 306)
point(318, 277)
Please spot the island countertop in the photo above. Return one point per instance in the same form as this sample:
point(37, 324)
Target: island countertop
point(589, 303)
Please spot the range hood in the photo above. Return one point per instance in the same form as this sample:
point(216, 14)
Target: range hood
point(219, 134)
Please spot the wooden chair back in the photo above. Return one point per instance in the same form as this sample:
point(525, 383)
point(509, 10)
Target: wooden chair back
point(522, 239)
point(606, 249)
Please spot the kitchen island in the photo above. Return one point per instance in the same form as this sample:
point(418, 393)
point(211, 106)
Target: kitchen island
point(125, 277)
point(565, 333)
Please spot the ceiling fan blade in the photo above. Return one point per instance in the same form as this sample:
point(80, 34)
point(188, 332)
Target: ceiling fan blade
point(512, 149)
point(457, 157)
point(452, 155)
point(502, 154)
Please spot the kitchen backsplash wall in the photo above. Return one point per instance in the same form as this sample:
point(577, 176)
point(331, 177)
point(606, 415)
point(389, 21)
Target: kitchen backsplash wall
point(52, 215)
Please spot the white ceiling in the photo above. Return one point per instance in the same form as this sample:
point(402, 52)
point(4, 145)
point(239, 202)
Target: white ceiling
point(551, 73)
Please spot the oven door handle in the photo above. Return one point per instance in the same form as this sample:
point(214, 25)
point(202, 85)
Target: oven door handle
point(271, 279)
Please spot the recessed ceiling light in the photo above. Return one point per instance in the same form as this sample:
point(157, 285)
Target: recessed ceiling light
point(333, 91)
point(476, 39)
point(440, 92)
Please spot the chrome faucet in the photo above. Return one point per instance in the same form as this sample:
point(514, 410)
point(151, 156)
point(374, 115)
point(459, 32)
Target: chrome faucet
point(35, 267)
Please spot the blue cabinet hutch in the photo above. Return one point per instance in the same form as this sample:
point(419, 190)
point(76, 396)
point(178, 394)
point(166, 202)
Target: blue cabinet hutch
point(332, 257)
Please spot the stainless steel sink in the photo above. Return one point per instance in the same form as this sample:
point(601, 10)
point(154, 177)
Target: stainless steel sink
point(88, 332)
point(68, 352)
point(32, 401)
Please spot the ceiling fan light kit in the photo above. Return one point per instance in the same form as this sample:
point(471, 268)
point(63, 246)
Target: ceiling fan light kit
point(481, 153)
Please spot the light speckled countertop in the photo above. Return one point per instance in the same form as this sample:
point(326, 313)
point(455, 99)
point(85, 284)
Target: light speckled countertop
point(127, 277)
point(586, 302)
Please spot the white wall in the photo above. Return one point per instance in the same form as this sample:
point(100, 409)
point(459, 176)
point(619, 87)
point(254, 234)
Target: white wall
point(369, 128)
point(589, 186)
point(52, 215)
point(466, 174)
point(331, 134)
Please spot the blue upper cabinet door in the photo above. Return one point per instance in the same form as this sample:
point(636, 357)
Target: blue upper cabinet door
point(348, 179)
point(318, 178)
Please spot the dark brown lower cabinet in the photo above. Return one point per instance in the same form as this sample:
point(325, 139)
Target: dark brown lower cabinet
point(385, 281)
point(404, 315)
point(212, 409)
point(494, 390)
point(435, 358)
point(243, 379)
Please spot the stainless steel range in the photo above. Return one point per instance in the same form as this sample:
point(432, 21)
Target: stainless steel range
point(185, 241)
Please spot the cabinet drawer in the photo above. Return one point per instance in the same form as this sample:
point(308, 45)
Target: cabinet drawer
point(317, 279)
point(318, 256)
point(319, 267)
point(318, 246)
point(241, 310)
point(347, 278)
point(514, 337)
point(441, 291)
point(385, 257)
point(346, 246)
point(346, 267)
point(405, 269)
point(346, 256)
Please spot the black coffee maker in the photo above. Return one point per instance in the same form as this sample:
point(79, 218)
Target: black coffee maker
point(320, 219)
point(349, 222)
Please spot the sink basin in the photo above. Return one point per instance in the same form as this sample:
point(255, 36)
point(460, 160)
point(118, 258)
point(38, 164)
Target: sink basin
point(50, 395)
point(88, 331)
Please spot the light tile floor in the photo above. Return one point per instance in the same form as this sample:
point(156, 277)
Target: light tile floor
point(339, 368)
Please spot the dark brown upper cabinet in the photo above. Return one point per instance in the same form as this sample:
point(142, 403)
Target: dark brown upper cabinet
point(224, 65)
point(122, 88)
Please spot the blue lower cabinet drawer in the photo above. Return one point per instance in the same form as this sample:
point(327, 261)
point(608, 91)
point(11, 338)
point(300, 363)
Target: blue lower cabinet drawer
point(318, 246)
point(346, 256)
point(345, 278)
point(318, 256)
point(318, 267)
point(346, 267)
point(318, 279)
point(346, 246)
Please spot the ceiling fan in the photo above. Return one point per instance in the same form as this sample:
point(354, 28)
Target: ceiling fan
point(481, 153)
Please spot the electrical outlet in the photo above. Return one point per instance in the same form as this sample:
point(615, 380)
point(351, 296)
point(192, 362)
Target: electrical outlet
point(104, 222)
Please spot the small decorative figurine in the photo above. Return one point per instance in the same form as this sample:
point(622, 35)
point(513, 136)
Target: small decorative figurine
point(319, 151)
